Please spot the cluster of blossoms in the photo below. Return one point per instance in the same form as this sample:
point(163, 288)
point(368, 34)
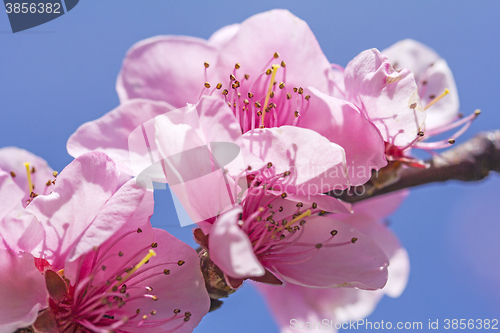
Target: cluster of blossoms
point(80, 254)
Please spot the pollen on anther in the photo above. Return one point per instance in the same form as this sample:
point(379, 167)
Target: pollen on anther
point(413, 106)
point(120, 254)
point(237, 66)
point(181, 262)
point(13, 174)
point(297, 114)
point(225, 92)
point(54, 173)
point(33, 170)
point(282, 85)
point(307, 97)
point(288, 96)
point(283, 64)
point(258, 105)
point(48, 183)
point(154, 298)
point(269, 164)
point(176, 311)
point(271, 95)
point(451, 141)
point(314, 205)
point(354, 240)
point(219, 85)
point(207, 85)
point(302, 222)
point(259, 113)
point(280, 209)
point(154, 245)
point(250, 95)
point(153, 312)
point(333, 232)
point(166, 271)
point(421, 133)
point(139, 230)
point(247, 76)
point(276, 55)
point(232, 77)
point(206, 64)
point(283, 195)
point(269, 71)
point(477, 112)
point(301, 90)
point(246, 101)
point(319, 246)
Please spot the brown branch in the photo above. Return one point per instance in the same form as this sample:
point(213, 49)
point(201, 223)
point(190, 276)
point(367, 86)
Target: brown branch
point(470, 161)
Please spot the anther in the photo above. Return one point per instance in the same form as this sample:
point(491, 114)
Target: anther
point(139, 230)
point(282, 237)
point(283, 64)
point(206, 64)
point(302, 222)
point(413, 106)
point(271, 95)
point(354, 240)
point(225, 92)
point(153, 312)
point(258, 105)
point(280, 209)
point(33, 170)
point(207, 85)
point(477, 112)
point(283, 195)
point(54, 173)
point(186, 319)
point(424, 83)
point(237, 66)
point(187, 314)
point(296, 113)
point(319, 246)
point(247, 76)
point(284, 222)
point(269, 71)
point(103, 267)
point(149, 289)
point(181, 262)
point(231, 77)
point(295, 89)
point(259, 113)
point(250, 95)
point(13, 174)
point(219, 85)
point(282, 85)
point(120, 254)
point(314, 205)
point(154, 245)
point(154, 298)
point(176, 311)
point(166, 271)
point(246, 101)
point(48, 183)
point(276, 55)
point(421, 133)
point(269, 164)
point(307, 97)
point(301, 90)
point(451, 141)
point(286, 173)
point(288, 96)
point(333, 232)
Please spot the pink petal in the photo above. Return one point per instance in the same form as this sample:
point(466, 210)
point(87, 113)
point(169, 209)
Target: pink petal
point(432, 75)
point(81, 191)
point(260, 36)
point(338, 263)
point(388, 97)
point(111, 134)
point(222, 36)
point(342, 123)
point(23, 291)
point(312, 159)
point(130, 205)
point(230, 247)
point(13, 159)
point(19, 230)
point(165, 68)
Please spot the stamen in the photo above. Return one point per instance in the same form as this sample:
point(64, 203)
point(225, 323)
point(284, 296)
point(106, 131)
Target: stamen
point(148, 256)
point(28, 172)
point(269, 90)
point(445, 92)
point(298, 218)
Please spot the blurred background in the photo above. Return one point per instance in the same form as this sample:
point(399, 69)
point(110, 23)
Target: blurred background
point(57, 76)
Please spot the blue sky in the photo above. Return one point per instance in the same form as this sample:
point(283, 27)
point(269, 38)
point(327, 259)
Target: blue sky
point(59, 75)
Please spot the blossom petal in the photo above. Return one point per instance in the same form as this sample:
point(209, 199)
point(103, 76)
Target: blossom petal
point(81, 191)
point(13, 159)
point(279, 31)
point(222, 36)
point(310, 157)
point(339, 262)
point(111, 134)
point(23, 291)
point(165, 68)
point(342, 123)
point(432, 75)
point(230, 247)
point(388, 97)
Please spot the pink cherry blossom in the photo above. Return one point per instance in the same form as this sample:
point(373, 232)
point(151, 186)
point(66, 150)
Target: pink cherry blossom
point(289, 85)
point(105, 267)
point(303, 304)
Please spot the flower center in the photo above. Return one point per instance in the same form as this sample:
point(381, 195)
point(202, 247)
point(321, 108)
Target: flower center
point(251, 99)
